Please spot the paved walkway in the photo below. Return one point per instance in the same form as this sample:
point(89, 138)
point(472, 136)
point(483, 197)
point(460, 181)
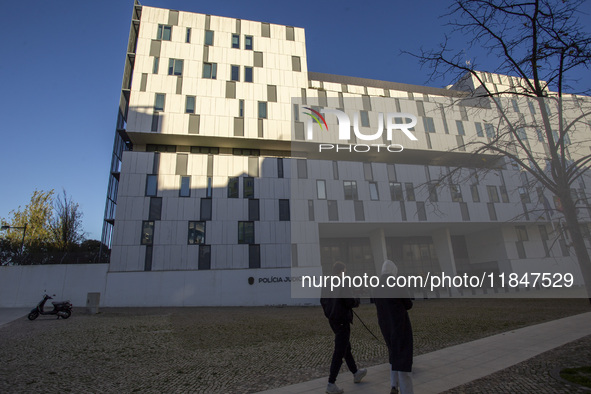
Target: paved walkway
point(453, 366)
point(9, 314)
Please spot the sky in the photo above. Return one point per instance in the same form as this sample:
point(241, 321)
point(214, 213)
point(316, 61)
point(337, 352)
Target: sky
point(62, 67)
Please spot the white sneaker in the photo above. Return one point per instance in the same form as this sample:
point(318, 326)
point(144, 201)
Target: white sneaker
point(360, 374)
point(334, 389)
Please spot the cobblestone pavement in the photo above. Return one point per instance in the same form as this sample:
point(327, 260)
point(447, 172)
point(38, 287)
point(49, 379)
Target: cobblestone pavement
point(229, 350)
point(536, 375)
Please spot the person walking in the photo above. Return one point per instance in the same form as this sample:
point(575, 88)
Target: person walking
point(338, 308)
point(392, 305)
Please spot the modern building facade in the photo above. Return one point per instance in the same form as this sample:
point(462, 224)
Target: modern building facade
point(218, 195)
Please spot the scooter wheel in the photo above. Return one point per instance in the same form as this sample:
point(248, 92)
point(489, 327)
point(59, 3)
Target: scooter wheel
point(66, 314)
point(33, 315)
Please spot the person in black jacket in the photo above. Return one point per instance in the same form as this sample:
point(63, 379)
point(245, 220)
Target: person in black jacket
point(392, 305)
point(338, 308)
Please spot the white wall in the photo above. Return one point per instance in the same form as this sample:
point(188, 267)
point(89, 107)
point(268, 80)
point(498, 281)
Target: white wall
point(24, 286)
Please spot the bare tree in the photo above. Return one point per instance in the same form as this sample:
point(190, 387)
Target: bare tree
point(66, 223)
point(542, 43)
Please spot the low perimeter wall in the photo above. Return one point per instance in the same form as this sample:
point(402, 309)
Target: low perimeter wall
point(24, 286)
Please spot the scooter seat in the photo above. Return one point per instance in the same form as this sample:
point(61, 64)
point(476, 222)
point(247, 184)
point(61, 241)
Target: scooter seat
point(60, 303)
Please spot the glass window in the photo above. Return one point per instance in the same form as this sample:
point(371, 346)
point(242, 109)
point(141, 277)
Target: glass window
point(524, 195)
point(493, 195)
point(460, 127)
point(490, 130)
point(262, 110)
point(247, 74)
point(429, 125)
point(190, 105)
point(204, 257)
point(241, 108)
point(188, 35)
point(245, 232)
point(410, 191)
point(254, 256)
point(147, 232)
point(475, 193)
point(236, 41)
point(175, 67)
point(333, 210)
point(248, 42)
point(185, 190)
point(207, 150)
point(373, 191)
point(521, 233)
point(196, 233)
point(283, 210)
point(248, 187)
point(205, 209)
point(208, 37)
point(246, 152)
point(532, 109)
point(433, 197)
point(164, 32)
point(321, 189)
point(210, 70)
point(504, 195)
point(279, 168)
point(209, 187)
point(515, 106)
point(456, 193)
point(159, 102)
point(396, 191)
point(479, 129)
point(151, 185)
point(235, 73)
point(253, 209)
point(155, 65)
point(350, 188)
point(302, 167)
point(364, 119)
point(233, 187)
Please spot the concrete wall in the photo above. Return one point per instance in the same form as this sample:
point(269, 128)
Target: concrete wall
point(24, 286)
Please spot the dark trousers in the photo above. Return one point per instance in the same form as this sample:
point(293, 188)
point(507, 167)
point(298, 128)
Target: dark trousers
point(342, 348)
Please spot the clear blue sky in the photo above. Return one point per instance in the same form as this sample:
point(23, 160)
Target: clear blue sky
point(62, 64)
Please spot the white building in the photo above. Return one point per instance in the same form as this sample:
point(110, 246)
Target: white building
point(220, 197)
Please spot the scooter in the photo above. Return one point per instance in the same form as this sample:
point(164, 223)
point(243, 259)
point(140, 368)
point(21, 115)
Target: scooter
point(61, 309)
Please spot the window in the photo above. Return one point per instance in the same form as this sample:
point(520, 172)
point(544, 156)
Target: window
point(296, 64)
point(206, 150)
point(196, 233)
point(433, 197)
point(284, 210)
point(190, 105)
point(248, 42)
point(410, 191)
point(233, 187)
point(279, 168)
point(364, 119)
point(235, 73)
point(532, 109)
point(335, 169)
point(247, 74)
point(159, 102)
point(490, 130)
point(373, 191)
point(460, 127)
point(164, 32)
point(188, 35)
point(429, 125)
point(521, 233)
point(241, 108)
point(236, 41)
point(151, 185)
point(333, 211)
point(504, 195)
point(475, 193)
point(350, 188)
point(262, 110)
point(248, 187)
point(302, 167)
point(524, 195)
point(479, 129)
point(155, 65)
point(210, 70)
point(515, 106)
point(321, 189)
point(421, 212)
point(456, 193)
point(205, 209)
point(493, 195)
point(289, 33)
point(311, 210)
point(175, 67)
point(464, 211)
point(147, 232)
point(396, 191)
point(208, 37)
point(204, 257)
point(246, 152)
point(253, 209)
point(185, 189)
point(245, 232)
point(155, 208)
